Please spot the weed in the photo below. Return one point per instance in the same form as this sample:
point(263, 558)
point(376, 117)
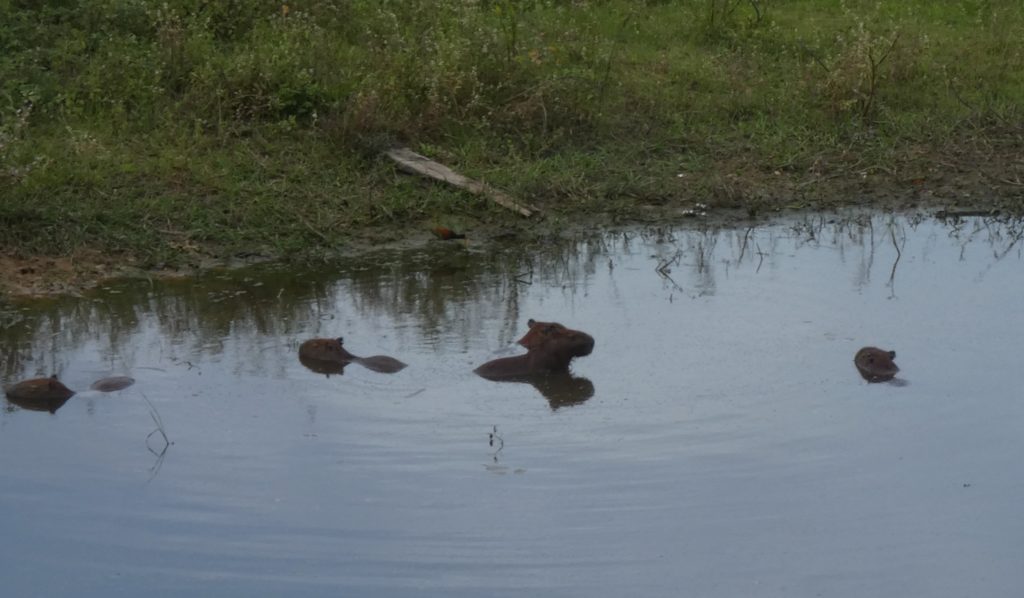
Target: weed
point(169, 129)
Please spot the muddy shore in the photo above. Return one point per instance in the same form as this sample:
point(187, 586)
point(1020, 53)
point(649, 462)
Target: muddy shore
point(994, 188)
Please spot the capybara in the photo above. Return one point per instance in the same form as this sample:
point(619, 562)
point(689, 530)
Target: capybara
point(39, 394)
point(329, 356)
point(112, 383)
point(549, 349)
point(875, 364)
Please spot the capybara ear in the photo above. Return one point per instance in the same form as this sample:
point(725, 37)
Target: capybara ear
point(341, 340)
point(892, 354)
point(532, 336)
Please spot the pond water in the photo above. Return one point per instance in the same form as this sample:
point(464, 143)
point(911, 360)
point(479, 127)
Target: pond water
point(717, 442)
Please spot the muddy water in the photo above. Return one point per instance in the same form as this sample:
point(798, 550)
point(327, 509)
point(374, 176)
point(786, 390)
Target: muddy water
point(718, 441)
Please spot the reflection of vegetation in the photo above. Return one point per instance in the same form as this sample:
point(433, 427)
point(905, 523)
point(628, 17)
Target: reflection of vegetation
point(441, 295)
point(1003, 235)
point(441, 292)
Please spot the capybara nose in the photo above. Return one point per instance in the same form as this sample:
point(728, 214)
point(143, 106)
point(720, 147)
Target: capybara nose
point(586, 344)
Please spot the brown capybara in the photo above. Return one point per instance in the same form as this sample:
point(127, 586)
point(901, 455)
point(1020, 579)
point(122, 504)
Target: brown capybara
point(39, 394)
point(549, 349)
point(875, 364)
point(112, 383)
point(329, 356)
point(323, 367)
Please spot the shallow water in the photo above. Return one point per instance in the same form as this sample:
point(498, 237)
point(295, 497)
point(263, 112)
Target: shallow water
point(729, 447)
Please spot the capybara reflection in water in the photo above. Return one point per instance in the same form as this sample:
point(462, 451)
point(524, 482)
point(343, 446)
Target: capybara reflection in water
point(561, 389)
point(549, 349)
point(39, 394)
point(329, 356)
point(112, 383)
point(875, 364)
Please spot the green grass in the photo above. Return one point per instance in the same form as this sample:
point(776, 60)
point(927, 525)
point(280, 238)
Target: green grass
point(155, 128)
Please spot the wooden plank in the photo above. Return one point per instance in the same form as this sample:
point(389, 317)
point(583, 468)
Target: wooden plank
point(414, 163)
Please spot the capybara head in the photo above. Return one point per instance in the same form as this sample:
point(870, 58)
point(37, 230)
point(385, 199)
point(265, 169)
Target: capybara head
point(325, 349)
point(550, 347)
point(876, 365)
point(552, 337)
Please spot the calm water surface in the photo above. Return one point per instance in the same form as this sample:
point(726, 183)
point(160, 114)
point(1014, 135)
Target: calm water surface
point(718, 441)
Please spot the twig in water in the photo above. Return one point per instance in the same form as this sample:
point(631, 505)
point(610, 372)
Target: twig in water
point(153, 413)
point(665, 271)
point(492, 438)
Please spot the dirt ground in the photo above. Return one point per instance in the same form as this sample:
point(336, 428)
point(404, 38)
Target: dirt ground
point(37, 276)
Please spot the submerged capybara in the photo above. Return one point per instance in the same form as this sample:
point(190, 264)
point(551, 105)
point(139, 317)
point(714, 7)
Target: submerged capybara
point(876, 365)
point(329, 356)
point(549, 349)
point(326, 349)
point(39, 394)
point(112, 383)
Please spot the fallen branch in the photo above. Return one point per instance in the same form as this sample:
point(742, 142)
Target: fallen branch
point(414, 163)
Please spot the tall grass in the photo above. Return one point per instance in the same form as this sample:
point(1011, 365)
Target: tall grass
point(158, 126)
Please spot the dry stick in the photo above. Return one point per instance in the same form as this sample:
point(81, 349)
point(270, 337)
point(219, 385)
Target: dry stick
point(608, 64)
point(495, 438)
point(664, 272)
point(312, 229)
point(875, 64)
point(153, 413)
point(816, 58)
point(757, 10)
point(414, 163)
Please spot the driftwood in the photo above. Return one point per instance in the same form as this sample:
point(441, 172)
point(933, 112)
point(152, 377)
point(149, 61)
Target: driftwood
point(414, 163)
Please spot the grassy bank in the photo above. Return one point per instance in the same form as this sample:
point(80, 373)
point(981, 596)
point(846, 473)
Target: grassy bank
point(161, 129)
